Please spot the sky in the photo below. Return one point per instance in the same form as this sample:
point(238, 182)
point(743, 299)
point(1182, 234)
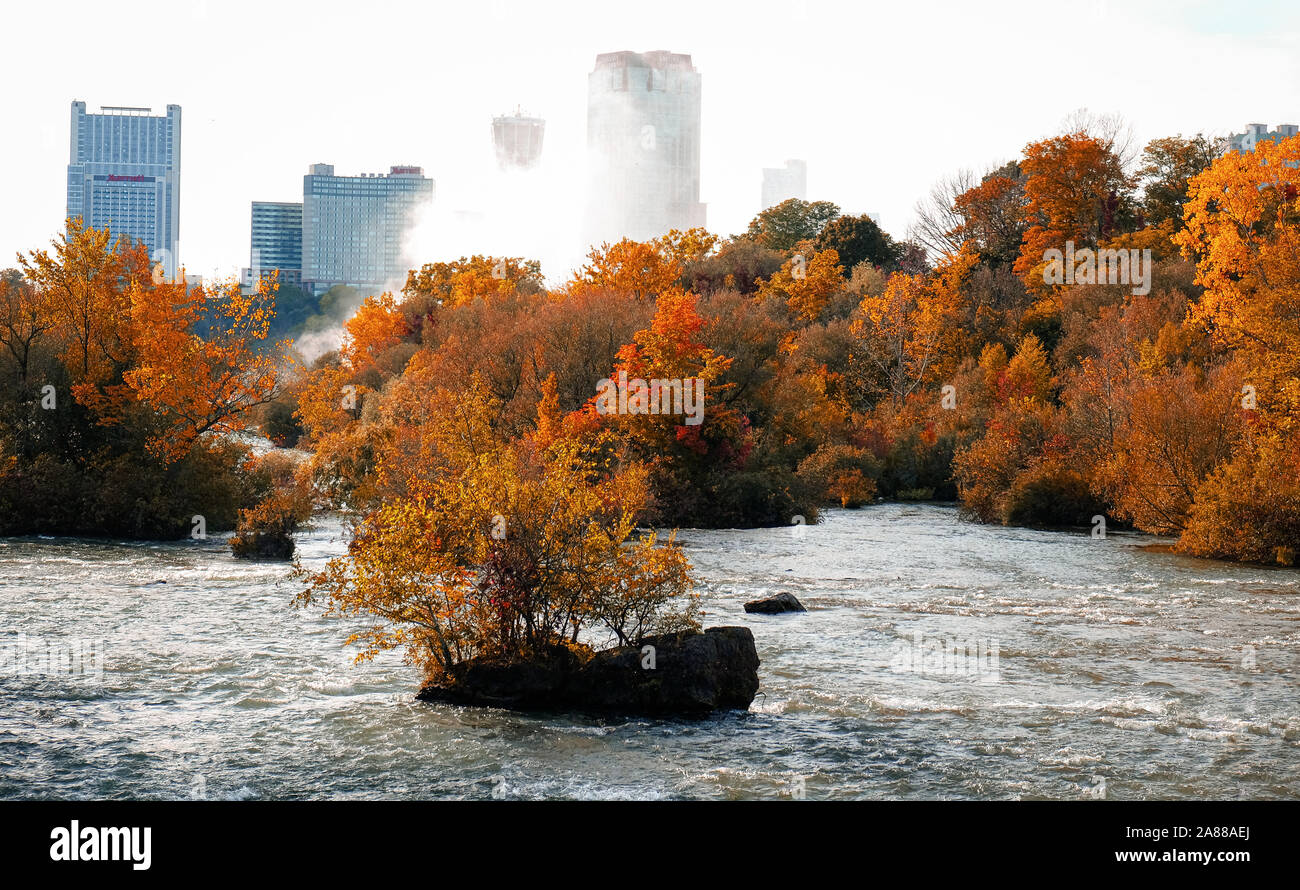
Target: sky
point(881, 99)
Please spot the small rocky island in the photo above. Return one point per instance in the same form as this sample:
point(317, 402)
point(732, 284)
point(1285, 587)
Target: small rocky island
point(689, 673)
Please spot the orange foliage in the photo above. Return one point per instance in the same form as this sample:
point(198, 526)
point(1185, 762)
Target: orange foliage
point(1242, 219)
point(645, 269)
point(86, 283)
point(1074, 186)
point(190, 358)
point(806, 285)
point(376, 326)
point(492, 547)
point(903, 329)
point(200, 384)
point(1243, 230)
point(467, 279)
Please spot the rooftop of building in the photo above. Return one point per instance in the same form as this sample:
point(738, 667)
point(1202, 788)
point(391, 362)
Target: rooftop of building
point(659, 58)
point(1261, 129)
point(518, 116)
point(396, 170)
point(122, 110)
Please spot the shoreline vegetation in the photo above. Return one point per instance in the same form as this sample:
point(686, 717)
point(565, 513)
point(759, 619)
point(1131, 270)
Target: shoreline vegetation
point(496, 497)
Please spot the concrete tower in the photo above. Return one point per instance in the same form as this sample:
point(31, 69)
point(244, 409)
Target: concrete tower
point(643, 146)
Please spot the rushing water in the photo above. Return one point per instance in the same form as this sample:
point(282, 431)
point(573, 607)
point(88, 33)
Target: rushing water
point(1096, 667)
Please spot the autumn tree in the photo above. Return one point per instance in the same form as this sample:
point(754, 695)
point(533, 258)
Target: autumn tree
point(377, 326)
point(25, 318)
point(686, 247)
point(1018, 461)
point(988, 213)
point(1249, 508)
point(265, 530)
point(85, 281)
point(992, 215)
point(806, 284)
point(141, 384)
point(644, 269)
point(1167, 166)
point(472, 278)
point(578, 336)
point(334, 393)
point(1243, 231)
point(737, 264)
point(1242, 220)
point(191, 359)
point(199, 384)
point(901, 330)
point(502, 549)
point(1075, 190)
point(843, 472)
point(1176, 426)
point(751, 334)
point(693, 448)
point(1148, 410)
point(671, 348)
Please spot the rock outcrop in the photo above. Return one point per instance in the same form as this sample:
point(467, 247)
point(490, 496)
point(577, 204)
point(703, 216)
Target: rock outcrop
point(688, 673)
point(262, 545)
point(775, 605)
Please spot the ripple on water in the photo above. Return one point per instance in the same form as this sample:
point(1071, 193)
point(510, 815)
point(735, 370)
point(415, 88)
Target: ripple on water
point(1170, 677)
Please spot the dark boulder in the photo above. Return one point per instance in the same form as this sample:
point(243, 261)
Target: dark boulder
point(774, 605)
point(496, 683)
point(687, 673)
point(262, 545)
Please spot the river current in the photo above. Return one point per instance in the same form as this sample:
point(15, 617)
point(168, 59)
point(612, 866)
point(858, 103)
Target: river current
point(937, 659)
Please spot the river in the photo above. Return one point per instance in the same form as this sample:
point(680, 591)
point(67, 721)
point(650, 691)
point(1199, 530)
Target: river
point(1086, 668)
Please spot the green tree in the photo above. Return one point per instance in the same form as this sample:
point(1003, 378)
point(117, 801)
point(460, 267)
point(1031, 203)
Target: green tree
point(857, 239)
point(1167, 166)
point(785, 225)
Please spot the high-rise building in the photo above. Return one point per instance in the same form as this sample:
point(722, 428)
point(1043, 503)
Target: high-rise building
point(353, 226)
point(124, 174)
point(643, 145)
point(783, 183)
point(517, 139)
point(276, 243)
point(1257, 133)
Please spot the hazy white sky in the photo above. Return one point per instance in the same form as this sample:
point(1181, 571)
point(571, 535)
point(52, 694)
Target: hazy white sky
point(881, 99)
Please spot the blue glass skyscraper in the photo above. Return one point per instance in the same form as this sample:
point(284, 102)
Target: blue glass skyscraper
point(124, 174)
